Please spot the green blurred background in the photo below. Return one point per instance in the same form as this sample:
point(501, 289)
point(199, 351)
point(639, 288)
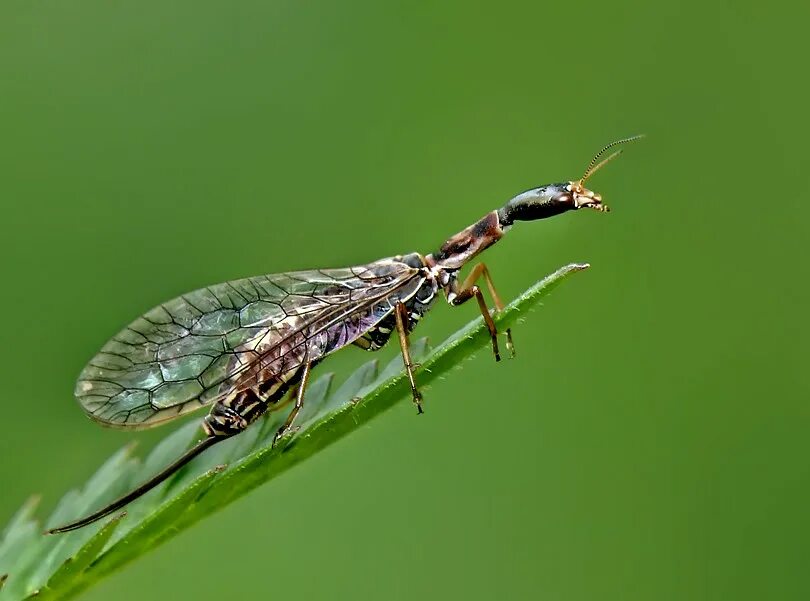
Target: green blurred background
point(650, 441)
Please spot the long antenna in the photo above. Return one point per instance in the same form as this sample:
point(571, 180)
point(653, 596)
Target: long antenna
point(198, 448)
point(593, 167)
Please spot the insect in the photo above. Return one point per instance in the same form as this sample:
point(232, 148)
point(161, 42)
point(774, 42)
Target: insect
point(241, 347)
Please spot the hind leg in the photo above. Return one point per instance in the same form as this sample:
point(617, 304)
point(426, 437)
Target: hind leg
point(299, 403)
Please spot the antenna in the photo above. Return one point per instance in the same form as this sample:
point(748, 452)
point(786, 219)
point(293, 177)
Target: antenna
point(593, 167)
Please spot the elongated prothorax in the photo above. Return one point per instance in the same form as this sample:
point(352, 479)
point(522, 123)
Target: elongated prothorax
point(537, 203)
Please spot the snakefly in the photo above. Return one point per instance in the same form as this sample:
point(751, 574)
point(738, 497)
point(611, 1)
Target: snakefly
point(242, 346)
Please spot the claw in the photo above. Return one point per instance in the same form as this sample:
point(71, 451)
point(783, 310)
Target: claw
point(417, 400)
point(282, 432)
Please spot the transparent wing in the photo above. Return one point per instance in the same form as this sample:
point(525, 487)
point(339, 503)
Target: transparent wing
point(200, 347)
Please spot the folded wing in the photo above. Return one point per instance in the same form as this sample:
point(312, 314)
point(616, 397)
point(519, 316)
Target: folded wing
point(198, 348)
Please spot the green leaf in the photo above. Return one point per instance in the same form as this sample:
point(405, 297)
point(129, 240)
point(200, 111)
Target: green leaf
point(22, 543)
point(73, 566)
point(63, 565)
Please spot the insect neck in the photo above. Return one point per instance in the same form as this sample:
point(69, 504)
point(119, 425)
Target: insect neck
point(468, 243)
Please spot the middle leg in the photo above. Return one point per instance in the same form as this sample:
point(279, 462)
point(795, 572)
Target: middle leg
point(401, 314)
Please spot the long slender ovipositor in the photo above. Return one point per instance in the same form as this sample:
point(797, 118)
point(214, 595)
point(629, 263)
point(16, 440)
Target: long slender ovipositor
point(241, 347)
